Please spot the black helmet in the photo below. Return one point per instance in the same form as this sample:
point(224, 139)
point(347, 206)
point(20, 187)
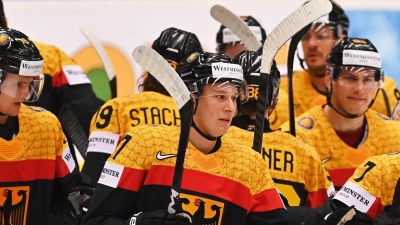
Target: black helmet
point(251, 64)
point(359, 56)
point(15, 50)
point(337, 19)
point(20, 56)
point(175, 44)
point(225, 36)
point(200, 69)
point(354, 52)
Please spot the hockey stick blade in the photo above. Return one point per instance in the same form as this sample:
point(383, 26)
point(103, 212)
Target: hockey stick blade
point(73, 129)
point(237, 26)
point(153, 62)
point(105, 59)
point(396, 112)
point(395, 208)
point(292, 49)
point(300, 18)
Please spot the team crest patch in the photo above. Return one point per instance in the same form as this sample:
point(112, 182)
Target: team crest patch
point(14, 204)
point(202, 210)
point(4, 39)
point(306, 122)
point(37, 109)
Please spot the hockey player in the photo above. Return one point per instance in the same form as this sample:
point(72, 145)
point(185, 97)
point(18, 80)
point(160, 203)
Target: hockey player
point(38, 174)
point(230, 44)
point(370, 189)
point(309, 84)
point(294, 166)
point(66, 86)
point(152, 106)
point(345, 132)
point(223, 182)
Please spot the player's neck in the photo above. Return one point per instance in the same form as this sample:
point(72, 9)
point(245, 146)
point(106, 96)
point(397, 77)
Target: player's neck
point(199, 142)
point(3, 119)
point(318, 83)
point(341, 123)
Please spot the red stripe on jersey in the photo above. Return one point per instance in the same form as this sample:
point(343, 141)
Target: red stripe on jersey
point(132, 179)
point(375, 209)
point(221, 187)
point(59, 79)
point(266, 201)
point(27, 170)
point(317, 198)
point(340, 176)
point(62, 168)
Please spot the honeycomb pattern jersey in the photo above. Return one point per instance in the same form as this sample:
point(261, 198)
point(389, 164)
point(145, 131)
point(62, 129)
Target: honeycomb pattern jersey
point(280, 114)
point(371, 188)
point(305, 96)
point(113, 120)
point(229, 186)
point(340, 159)
point(294, 166)
point(35, 166)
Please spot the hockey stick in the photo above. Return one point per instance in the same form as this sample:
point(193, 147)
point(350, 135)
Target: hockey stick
point(105, 59)
point(292, 49)
point(396, 111)
point(153, 62)
point(73, 129)
point(395, 208)
point(237, 26)
point(300, 18)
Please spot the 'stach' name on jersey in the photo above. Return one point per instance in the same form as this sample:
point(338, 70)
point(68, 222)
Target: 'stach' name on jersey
point(154, 115)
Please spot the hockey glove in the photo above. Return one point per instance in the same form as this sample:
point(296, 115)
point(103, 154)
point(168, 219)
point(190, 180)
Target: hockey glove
point(347, 216)
point(160, 217)
point(385, 219)
point(79, 198)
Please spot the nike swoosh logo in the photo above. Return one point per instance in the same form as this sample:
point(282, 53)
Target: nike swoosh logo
point(326, 160)
point(296, 106)
point(159, 156)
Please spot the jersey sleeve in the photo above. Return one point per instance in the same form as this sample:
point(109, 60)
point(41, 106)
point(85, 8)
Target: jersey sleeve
point(66, 84)
point(105, 134)
point(368, 188)
point(318, 183)
point(116, 191)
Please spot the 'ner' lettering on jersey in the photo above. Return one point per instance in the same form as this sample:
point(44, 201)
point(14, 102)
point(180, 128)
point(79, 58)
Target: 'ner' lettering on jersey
point(279, 160)
point(154, 115)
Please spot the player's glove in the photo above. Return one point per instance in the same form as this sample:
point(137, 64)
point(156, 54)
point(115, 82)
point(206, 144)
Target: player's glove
point(385, 219)
point(160, 217)
point(79, 198)
point(347, 216)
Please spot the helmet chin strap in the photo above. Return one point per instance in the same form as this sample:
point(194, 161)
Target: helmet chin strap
point(210, 138)
point(347, 115)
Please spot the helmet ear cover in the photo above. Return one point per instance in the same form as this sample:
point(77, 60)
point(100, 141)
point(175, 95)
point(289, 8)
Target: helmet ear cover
point(251, 64)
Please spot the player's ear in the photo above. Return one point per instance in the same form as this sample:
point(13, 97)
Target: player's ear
point(328, 81)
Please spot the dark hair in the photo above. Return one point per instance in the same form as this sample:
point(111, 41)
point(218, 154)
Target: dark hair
point(148, 83)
